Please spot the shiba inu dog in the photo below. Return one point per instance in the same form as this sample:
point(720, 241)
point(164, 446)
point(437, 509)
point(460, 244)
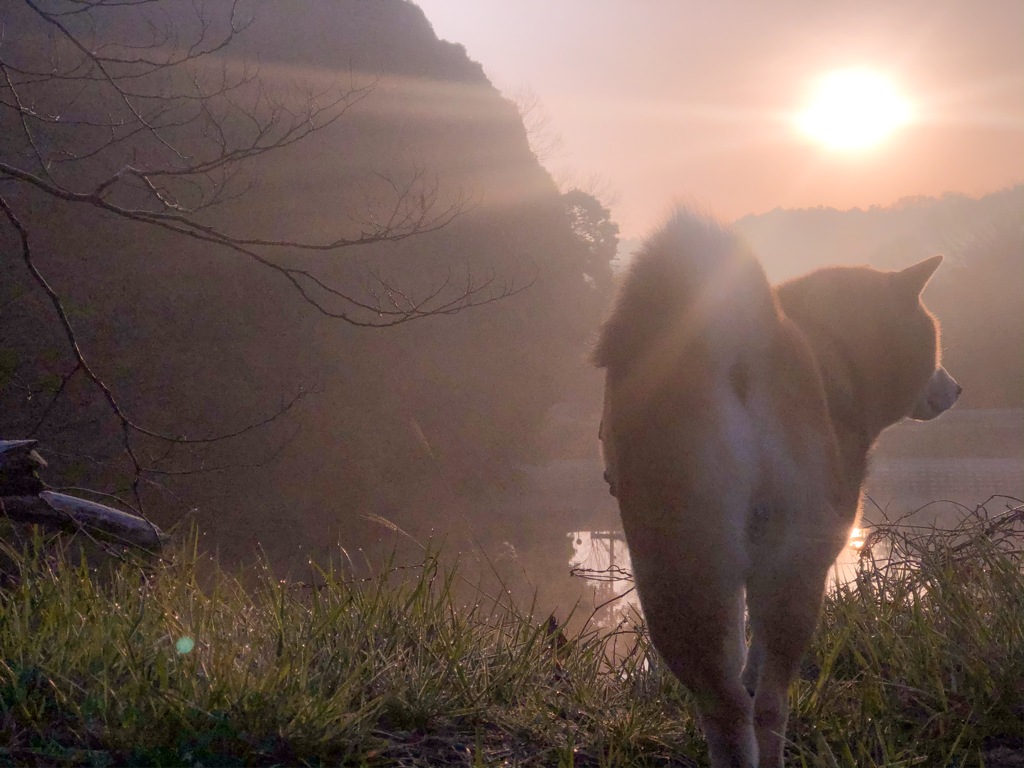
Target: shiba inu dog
point(737, 424)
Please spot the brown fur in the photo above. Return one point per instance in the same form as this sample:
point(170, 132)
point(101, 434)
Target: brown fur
point(738, 421)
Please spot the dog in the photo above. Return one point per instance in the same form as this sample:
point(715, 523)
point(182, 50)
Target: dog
point(738, 420)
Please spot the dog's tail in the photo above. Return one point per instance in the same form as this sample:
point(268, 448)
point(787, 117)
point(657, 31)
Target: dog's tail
point(695, 290)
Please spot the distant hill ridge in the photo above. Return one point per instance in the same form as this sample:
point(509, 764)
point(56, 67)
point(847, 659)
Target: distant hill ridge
point(791, 242)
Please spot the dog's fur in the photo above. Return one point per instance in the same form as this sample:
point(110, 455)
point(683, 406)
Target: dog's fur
point(737, 425)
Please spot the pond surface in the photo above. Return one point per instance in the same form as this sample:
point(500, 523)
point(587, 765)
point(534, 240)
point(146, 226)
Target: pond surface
point(602, 558)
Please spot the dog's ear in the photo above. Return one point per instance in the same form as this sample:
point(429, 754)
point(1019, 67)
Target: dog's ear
point(912, 280)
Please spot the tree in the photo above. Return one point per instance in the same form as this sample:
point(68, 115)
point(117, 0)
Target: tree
point(137, 111)
point(591, 222)
point(545, 141)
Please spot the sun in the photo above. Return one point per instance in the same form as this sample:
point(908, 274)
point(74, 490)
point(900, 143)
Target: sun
point(853, 109)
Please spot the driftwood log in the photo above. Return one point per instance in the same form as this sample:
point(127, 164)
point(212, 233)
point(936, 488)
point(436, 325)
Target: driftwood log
point(23, 498)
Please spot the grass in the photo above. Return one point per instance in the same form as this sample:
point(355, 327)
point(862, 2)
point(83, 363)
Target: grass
point(920, 661)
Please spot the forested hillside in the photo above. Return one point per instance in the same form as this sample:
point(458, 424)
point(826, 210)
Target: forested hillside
point(421, 422)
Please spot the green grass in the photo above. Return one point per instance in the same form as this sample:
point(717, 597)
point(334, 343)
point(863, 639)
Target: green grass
point(919, 663)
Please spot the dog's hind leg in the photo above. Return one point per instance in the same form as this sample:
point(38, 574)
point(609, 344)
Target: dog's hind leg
point(755, 660)
point(784, 611)
point(725, 705)
point(705, 650)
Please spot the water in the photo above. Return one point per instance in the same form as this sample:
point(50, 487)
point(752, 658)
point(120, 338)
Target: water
point(602, 558)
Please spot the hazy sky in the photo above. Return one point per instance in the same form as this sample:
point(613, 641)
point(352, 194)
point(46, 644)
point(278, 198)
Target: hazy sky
point(695, 101)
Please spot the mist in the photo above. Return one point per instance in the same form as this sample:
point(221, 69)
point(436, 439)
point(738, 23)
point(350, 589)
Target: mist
point(429, 387)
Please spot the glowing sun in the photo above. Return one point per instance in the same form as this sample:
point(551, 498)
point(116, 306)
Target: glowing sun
point(853, 109)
